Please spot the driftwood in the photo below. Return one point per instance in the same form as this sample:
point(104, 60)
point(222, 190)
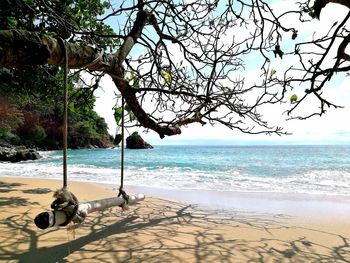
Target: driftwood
point(56, 218)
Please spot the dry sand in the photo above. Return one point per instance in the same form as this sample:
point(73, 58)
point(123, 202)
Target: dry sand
point(159, 230)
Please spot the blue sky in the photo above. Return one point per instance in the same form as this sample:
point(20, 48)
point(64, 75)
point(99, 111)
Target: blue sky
point(332, 128)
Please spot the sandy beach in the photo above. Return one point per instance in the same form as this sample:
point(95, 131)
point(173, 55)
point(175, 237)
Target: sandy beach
point(162, 229)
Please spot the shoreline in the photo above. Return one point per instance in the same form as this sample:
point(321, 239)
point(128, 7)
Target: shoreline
point(290, 204)
point(162, 230)
point(237, 171)
point(293, 204)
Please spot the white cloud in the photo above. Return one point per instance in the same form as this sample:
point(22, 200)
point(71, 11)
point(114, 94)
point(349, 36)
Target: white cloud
point(105, 101)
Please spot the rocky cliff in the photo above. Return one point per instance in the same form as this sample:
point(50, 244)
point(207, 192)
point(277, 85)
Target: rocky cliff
point(135, 141)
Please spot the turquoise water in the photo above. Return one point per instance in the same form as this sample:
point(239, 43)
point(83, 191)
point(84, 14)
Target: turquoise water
point(287, 169)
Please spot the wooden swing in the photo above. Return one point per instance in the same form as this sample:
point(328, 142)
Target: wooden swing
point(65, 207)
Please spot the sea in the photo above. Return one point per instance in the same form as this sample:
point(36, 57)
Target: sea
point(318, 170)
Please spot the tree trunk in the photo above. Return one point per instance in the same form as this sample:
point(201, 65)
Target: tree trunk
point(56, 218)
point(20, 48)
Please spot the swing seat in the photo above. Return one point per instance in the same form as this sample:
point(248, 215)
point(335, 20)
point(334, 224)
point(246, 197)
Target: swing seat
point(54, 218)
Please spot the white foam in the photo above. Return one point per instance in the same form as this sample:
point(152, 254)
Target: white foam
point(327, 182)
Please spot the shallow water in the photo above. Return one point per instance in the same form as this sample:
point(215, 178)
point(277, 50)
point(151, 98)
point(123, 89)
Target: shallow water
point(285, 169)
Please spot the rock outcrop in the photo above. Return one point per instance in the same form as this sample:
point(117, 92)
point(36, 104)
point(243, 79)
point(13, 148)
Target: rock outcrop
point(17, 154)
point(135, 141)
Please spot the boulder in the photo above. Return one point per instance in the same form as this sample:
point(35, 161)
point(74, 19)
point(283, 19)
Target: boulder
point(135, 141)
point(11, 154)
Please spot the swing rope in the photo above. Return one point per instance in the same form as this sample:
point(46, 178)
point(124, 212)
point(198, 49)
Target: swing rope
point(122, 193)
point(122, 152)
point(65, 200)
point(65, 114)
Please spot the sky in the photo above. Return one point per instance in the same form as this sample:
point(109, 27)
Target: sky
point(331, 128)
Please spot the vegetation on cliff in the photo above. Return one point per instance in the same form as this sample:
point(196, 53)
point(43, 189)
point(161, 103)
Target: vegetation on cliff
point(31, 107)
point(31, 98)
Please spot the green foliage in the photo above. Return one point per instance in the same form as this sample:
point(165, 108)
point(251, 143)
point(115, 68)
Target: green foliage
point(34, 117)
point(37, 93)
point(70, 15)
point(35, 135)
point(86, 129)
point(100, 124)
point(167, 77)
point(8, 136)
point(29, 2)
point(118, 114)
point(131, 115)
point(133, 80)
point(71, 107)
point(293, 98)
point(273, 72)
point(9, 122)
point(117, 139)
point(12, 22)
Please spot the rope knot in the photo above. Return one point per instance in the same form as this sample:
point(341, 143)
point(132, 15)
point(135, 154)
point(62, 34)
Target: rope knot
point(125, 204)
point(66, 202)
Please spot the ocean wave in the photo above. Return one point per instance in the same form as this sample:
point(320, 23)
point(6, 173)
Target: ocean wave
point(50, 155)
point(328, 182)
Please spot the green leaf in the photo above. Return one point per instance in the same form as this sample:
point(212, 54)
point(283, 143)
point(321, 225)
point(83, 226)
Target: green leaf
point(118, 114)
point(293, 98)
point(273, 72)
point(75, 24)
point(133, 78)
point(132, 116)
point(29, 2)
point(71, 107)
point(167, 77)
point(127, 107)
point(12, 22)
point(117, 139)
point(136, 83)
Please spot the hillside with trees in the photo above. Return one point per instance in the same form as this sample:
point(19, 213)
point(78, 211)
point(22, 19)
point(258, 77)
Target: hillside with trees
point(31, 111)
point(31, 98)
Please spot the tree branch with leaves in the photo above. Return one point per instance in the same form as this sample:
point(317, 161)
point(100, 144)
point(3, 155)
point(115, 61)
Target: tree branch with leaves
point(181, 62)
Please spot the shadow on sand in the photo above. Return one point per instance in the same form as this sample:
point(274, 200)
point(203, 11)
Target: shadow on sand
point(12, 201)
point(158, 231)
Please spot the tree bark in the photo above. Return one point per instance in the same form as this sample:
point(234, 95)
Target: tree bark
point(20, 48)
point(55, 218)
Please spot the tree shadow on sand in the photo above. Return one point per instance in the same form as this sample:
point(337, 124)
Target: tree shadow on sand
point(15, 201)
point(37, 191)
point(158, 232)
point(12, 201)
point(8, 187)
